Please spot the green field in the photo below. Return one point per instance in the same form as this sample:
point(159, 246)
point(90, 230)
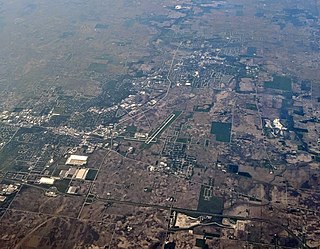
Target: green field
point(131, 129)
point(62, 185)
point(251, 106)
point(129, 23)
point(251, 51)
point(203, 108)
point(108, 59)
point(91, 175)
point(101, 26)
point(280, 83)
point(98, 67)
point(209, 203)
point(182, 140)
point(222, 131)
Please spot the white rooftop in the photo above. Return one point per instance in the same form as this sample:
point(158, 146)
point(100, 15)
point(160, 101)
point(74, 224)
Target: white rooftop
point(72, 190)
point(77, 160)
point(46, 180)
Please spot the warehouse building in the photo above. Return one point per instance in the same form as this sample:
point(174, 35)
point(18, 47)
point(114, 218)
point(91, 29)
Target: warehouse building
point(76, 160)
point(46, 180)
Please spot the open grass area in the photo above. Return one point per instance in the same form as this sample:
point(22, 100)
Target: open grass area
point(91, 175)
point(101, 26)
point(62, 185)
point(251, 106)
point(107, 58)
point(98, 67)
point(251, 51)
point(222, 131)
point(209, 203)
point(203, 108)
point(283, 83)
point(182, 140)
point(131, 130)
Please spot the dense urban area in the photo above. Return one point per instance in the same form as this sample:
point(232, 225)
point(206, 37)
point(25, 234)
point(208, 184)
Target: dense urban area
point(159, 124)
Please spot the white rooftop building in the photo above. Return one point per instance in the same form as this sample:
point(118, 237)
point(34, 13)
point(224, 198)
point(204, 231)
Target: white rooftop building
point(72, 190)
point(277, 124)
point(77, 160)
point(46, 180)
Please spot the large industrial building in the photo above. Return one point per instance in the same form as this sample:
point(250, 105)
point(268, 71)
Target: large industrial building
point(76, 160)
point(46, 180)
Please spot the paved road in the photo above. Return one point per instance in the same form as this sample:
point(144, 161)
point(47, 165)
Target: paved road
point(189, 211)
point(182, 210)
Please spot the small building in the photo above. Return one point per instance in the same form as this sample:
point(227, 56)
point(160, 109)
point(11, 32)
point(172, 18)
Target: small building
point(72, 190)
point(77, 160)
point(140, 135)
point(2, 198)
point(46, 180)
point(130, 150)
point(52, 192)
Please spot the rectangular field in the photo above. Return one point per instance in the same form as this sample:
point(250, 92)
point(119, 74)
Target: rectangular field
point(222, 131)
